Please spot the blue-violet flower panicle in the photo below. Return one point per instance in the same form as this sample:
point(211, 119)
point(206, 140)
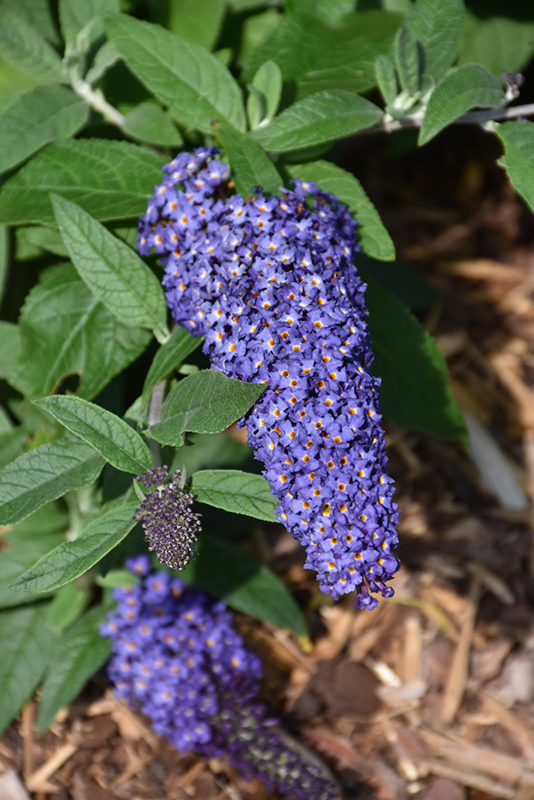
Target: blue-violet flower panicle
point(271, 284)
point(178, 660)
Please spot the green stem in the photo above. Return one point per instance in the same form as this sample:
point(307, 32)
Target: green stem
point(154, 413)
point(93, 97)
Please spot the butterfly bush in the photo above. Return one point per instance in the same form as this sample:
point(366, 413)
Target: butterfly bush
point(270, 283)
point(178, 660)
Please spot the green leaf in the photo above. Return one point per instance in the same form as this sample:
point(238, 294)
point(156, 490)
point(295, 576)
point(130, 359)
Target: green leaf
point(112, 271)
point(44, 239)
point(45, 474)
point(35, 12)
point(407, 283)
point(207, 402)
point(320, 57)
point(193, 84)
point(9, 347)
point(68, 603)
point(147, 122)
point(436, 24)
point(170, 355)
point(120, 445)
point(329, 11)
point(240, 6)
point(268, 80)
point(12, 444)
point(386, 77)
point(75, 16)
point(22, 46)
point(255, 107)
point(25, 250)
point(462, 89)
point(415, 391)
point(225, 55)
point(246, 585)
point(47, 521)
point(105, 57)
point(6, 426)
point(197, 22)
point(80, 652)
point(110, 180)
point(65, 330)
point(35, 118)
point(26, 645)
point(497, 43)
point(4, 259)
point(117, 578)
point(23, 545)
point(321, 117)
point(518, 158)
point(266, 90)
point(407, 60)
point(256, 28)
point(69, 560)
point(8, 97)
point(250, 165)
point(12, 81)
point(128, 233)
point(373, 237)
point(235, 491)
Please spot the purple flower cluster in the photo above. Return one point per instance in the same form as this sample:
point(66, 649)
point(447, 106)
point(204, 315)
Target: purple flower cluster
point(178, 660)
point(170, 526)
point(270, 282)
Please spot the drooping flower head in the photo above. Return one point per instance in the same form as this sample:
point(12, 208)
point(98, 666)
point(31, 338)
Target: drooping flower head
point(178, 660)
point(271, 283)
point(170, 527)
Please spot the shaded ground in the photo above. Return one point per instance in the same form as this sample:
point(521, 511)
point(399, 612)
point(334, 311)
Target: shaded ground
point(432, 694)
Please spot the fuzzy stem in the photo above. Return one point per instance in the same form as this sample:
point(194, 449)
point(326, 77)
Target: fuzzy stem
point(154, 412)
point(470, 118)
point(93, 97)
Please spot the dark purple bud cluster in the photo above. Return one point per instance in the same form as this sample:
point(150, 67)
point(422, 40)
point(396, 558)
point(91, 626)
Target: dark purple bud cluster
point(271, 283)
point(170, 526)
point(178, 660)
